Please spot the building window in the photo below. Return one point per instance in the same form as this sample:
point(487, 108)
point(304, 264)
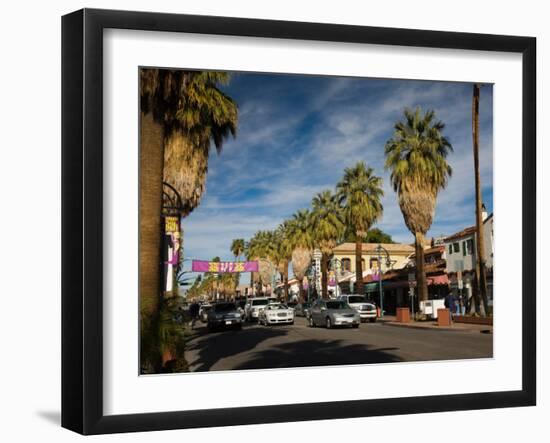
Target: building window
point(470, 246)
point(456, 247)
point(450, 249)
point(346, 264)
point(464, 248)
point(374, 263)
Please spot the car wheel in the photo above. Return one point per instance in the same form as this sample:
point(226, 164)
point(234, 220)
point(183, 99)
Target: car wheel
point(373, 320)
point(311, 322)
point(328, 323)
point(355, 326)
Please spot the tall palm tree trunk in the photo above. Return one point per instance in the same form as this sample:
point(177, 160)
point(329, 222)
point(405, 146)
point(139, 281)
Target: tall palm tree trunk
point(480, 262)
point(324, 276)
point(150, 206)
point(359, 287)
point(285, 280)
point(421, 283)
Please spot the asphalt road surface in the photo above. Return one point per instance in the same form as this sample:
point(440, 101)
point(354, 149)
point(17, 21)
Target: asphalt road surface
point(261, 347)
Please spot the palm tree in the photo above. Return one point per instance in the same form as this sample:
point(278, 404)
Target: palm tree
point(359, 193)
point(481, 272)
point(328, 227)
point(203, 114)
point(301, 242)
point(259, 249)
point(283, 253)
point(182, 112)
point(237, 248)
point(416, 155)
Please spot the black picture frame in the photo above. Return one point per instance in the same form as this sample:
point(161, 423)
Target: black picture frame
point(82, 219)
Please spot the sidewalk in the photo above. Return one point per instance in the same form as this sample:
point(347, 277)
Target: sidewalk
point(389, 320)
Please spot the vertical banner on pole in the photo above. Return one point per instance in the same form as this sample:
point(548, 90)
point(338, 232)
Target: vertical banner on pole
point(171, 244)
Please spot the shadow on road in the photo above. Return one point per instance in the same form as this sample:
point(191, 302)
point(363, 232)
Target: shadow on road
point(216, 346)
point(317, 353)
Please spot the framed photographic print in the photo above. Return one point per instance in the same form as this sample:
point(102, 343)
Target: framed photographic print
point(269, 221)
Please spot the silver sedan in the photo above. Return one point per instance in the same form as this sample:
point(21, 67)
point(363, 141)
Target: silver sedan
point(332, 313)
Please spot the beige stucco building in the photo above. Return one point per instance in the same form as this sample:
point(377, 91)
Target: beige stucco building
point(399, 254)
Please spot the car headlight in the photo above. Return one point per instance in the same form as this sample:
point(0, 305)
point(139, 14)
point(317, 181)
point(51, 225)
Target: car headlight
point(238, 315)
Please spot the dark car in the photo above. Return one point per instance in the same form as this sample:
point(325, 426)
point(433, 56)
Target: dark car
point(224, 315)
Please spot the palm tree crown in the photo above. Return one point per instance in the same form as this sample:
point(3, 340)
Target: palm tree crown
point(326, 221)
point(237, 247)
point(299, 230)
point(194, 112)
point(359, 192)
point(416, 155)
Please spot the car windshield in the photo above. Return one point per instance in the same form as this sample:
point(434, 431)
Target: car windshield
point(224, 307)
point(275, 306)
point(337, 305)
point(356, 299)
point(259, 302)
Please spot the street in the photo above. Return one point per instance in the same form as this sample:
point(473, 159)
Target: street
point(261, 347)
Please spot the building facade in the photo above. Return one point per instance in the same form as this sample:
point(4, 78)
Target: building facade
point(461, 250)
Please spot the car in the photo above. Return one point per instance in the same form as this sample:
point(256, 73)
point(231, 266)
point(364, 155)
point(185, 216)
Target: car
point(367, 310)
point(276, 313)
point(331, 313)
point(301, 309)
point(203, 311)
point(224, 315)
point(253, 306)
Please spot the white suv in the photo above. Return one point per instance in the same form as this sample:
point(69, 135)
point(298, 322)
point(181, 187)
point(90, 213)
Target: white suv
point(366, 309)
point(253, 306)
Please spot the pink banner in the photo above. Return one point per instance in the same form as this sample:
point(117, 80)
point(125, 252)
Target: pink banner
point(224, 266)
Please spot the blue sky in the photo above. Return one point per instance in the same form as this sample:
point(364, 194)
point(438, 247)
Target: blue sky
point(296, 135)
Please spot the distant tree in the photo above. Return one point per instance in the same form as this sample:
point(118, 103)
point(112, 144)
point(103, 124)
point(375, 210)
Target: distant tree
point(375, 235)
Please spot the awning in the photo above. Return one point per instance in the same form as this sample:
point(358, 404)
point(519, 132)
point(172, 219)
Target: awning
point(438, 280)
point(372, 287)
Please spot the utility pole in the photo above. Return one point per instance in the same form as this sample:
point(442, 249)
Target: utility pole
point(481, 276)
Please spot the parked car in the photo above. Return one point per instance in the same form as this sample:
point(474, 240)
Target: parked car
point(301, 309)
point(276, 313)
point(366, 309)
point(224, 315)
point(253, 306)
point(203, 311)
point(332, 313)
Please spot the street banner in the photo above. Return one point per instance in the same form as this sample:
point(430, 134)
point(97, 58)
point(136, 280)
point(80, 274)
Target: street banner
point(171, 250)
point(224, 266)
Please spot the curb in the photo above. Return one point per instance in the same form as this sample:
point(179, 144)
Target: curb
point(435, 328)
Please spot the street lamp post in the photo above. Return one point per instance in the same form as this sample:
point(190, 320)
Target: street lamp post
point(335, 267)
point(379, 250)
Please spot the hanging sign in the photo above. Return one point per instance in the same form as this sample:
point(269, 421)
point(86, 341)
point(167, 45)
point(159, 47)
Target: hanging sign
point(224, 266)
